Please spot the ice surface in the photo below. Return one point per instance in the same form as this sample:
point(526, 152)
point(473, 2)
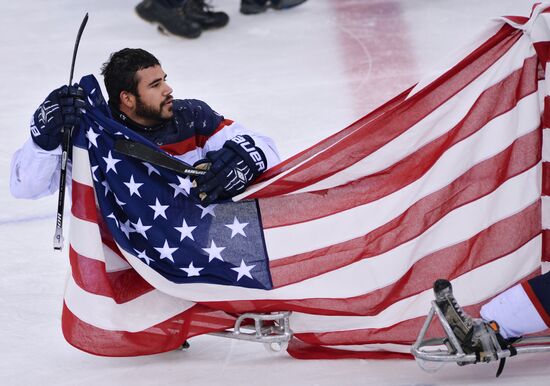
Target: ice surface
point(298, 76)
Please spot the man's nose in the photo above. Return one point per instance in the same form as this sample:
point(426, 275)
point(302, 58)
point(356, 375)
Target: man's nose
point(167, 89)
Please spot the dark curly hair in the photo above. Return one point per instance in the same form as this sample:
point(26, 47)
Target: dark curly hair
point(120, 71)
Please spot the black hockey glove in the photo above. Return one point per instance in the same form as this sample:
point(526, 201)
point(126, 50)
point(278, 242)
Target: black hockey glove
point(62, 108)
point(232, 169)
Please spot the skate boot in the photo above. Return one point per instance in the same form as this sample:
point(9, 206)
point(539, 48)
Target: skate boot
point(459, 321)
point(252, 7)
point(474, 335)
point(170, 20)
point(204, 15)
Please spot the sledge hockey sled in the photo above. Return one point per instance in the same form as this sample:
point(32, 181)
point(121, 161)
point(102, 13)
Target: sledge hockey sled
point(273, 330)
point(429, 352)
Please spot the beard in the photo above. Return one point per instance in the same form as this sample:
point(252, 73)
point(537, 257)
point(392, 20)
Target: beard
point(153, 113)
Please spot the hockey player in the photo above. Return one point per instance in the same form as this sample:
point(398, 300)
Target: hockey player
point(140, 98)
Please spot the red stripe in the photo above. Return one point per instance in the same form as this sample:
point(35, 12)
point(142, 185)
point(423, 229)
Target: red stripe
point(83, 206)
point(165, 336)
point(190, 144)
point(494, 102)
point(301, 350)
point(91, 275)
point(546, 179)
point(543, 51)
point(366, 139)
point(472, 185)
point(545, 245)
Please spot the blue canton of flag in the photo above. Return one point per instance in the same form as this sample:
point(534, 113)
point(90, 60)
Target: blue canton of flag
point(151, 214)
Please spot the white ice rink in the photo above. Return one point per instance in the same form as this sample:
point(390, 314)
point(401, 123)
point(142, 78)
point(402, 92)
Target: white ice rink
point(298, 76)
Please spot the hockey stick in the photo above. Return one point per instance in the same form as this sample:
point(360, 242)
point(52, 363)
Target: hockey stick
point(145, 153)
point(67, 133)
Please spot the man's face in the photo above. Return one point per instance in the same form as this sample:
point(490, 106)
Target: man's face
point(154, 96)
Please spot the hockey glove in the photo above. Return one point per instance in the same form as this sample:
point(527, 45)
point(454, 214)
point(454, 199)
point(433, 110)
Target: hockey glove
point(62, 108)
point(232, 169)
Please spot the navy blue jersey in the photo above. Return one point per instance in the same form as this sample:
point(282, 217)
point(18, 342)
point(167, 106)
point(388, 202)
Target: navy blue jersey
point(192, 124)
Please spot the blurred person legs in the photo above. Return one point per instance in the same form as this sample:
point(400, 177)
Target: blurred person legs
point(203, 14)
point(251, 7)
point(170, 16)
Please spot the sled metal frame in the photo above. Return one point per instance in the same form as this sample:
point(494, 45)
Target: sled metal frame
point(275, 335)
point(455, 353)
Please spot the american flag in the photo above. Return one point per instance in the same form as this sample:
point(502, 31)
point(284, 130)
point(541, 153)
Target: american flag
point(448, 179)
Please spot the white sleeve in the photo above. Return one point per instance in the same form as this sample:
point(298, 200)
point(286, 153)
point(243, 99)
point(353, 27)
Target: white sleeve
point(34, 171)
point(514, 312)
point(267, 145)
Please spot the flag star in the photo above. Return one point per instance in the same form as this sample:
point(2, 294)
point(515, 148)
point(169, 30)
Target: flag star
point(140, 228)
point(126, 228)
point(243, 270)
point(94, 168)
point(133, 186)
point(185, 231)
point(237, 227)
point(112, 215)
point(192, 271)
point(207, 210)
point(107, 188)
point(151, 168)
point(143, 255)
point(214, 252)
point(183, 188)
point(185, 184)
point(92, 137)
point(160, 210)
point(166, 252)
point(111, 162)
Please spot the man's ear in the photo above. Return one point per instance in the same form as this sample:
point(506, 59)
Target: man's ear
point(127, 99)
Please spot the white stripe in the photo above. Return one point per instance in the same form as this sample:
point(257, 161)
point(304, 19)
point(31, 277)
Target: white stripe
point(545, 201)
point(537, 26)
point(473, 287)
point(371, 274)
point(360, 220)
point(81, 167)
point(136, 315)
point(85, 239)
